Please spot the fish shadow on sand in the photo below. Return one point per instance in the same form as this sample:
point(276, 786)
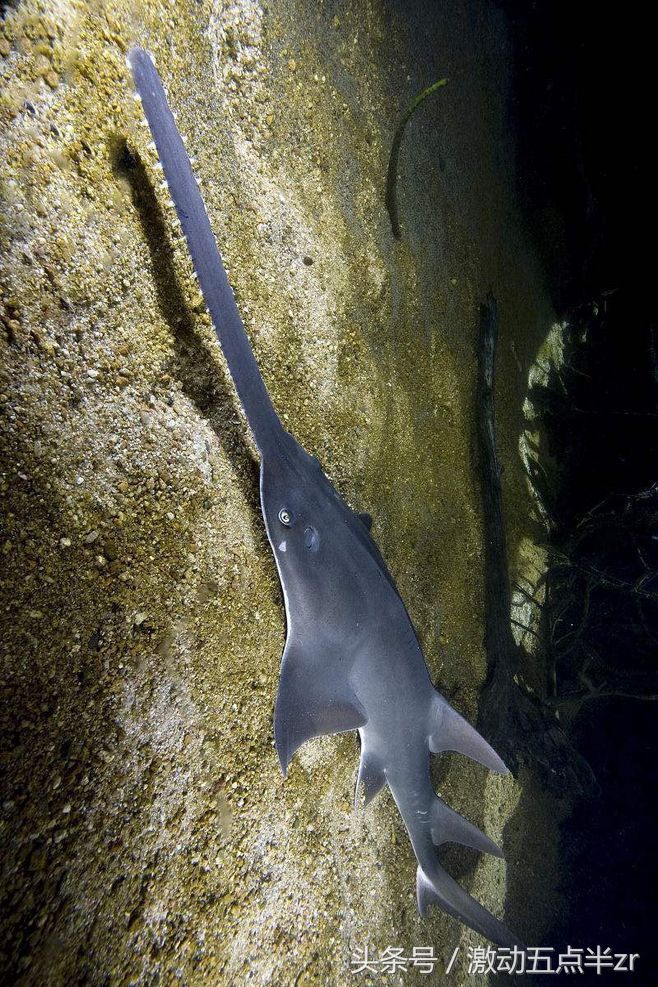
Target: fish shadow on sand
point(193, 363)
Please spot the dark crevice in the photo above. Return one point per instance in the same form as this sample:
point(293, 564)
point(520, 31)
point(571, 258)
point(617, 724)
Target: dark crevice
point(521, 728)
point(582, 99)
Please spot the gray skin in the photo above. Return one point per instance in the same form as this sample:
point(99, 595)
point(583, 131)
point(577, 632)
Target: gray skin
point(351, 659)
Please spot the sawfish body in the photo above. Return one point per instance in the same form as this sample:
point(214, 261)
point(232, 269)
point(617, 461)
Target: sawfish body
point(351, 659)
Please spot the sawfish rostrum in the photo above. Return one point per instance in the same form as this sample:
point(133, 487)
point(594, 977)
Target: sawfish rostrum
point(351, 659)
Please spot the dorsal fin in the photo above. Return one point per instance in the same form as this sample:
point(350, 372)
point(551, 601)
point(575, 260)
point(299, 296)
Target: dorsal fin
point(314, 699)
point(448, 731)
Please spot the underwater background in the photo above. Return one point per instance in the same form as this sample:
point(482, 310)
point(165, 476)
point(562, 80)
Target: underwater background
point(147, 835)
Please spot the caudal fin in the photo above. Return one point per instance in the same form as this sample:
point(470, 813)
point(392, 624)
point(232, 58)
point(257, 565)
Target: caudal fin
point(443, 891)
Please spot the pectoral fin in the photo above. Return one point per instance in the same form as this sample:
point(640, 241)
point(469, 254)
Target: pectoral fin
point(315, 698)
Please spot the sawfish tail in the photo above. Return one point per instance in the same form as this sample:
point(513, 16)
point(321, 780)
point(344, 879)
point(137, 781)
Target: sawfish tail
point(434, 823)
point(206, 258)
point(430, 824)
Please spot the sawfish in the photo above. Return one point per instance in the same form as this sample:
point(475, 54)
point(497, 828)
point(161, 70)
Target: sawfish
point(351, 659)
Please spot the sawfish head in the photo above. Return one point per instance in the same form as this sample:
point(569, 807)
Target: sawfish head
point(309, 525)
point(295, 497)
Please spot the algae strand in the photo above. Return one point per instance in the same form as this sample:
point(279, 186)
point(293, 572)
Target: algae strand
point(392, 174)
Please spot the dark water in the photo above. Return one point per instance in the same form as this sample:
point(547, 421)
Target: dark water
point(584, 101)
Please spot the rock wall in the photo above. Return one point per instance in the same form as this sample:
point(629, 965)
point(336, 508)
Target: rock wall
point(147, 834)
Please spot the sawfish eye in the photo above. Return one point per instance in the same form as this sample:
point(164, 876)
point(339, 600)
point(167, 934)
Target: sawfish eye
point(285, 517)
